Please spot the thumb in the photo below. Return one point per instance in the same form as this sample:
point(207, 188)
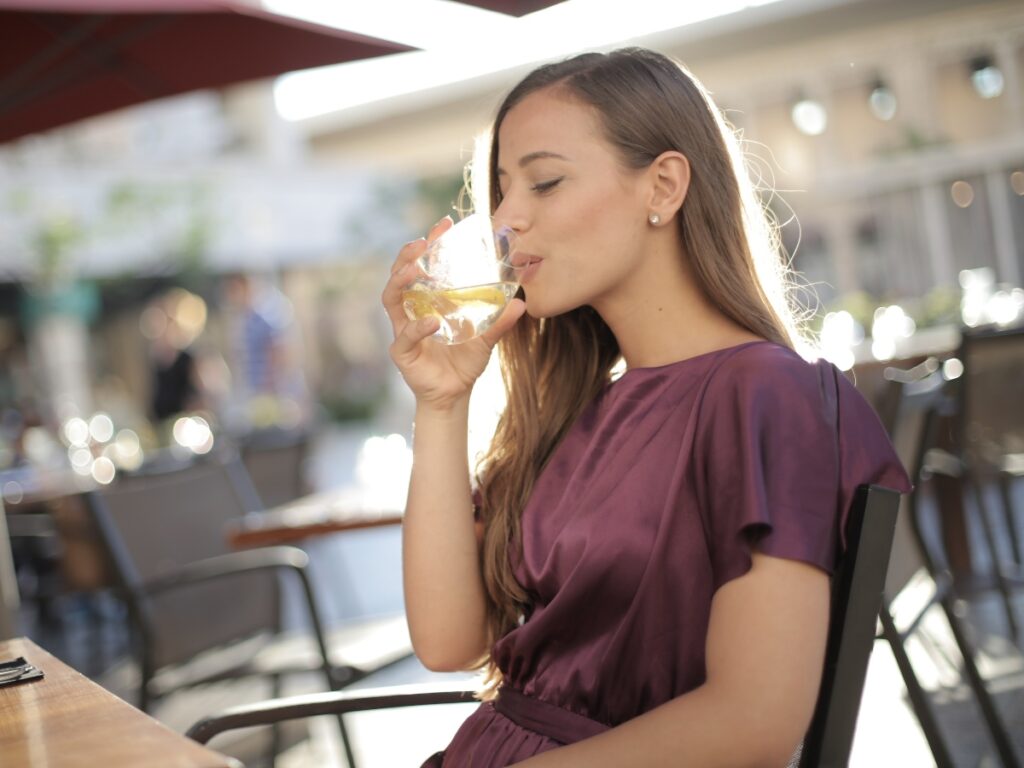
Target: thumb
point(513, 311)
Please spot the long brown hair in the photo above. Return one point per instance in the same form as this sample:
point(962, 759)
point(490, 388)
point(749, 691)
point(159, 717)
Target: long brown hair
point(552, 367)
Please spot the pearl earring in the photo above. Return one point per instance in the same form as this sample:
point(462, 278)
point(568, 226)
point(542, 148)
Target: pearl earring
point(655, 219)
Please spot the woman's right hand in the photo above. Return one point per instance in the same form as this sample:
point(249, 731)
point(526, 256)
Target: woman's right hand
point(440, 375)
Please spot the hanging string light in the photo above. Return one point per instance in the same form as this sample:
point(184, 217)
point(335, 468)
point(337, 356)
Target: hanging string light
point(882, 100)
point(986, 77)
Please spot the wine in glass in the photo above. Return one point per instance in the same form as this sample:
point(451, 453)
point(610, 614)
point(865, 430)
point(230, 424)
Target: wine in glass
point(467, 278)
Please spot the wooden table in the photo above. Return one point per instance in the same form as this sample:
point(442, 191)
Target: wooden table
point(65, 720)
point(314, 515)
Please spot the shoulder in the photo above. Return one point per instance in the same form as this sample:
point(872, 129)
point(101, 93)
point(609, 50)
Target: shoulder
point(766, 369)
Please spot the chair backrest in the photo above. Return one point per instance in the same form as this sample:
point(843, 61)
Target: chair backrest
point(856, 598)
point(920, 407)
point(154, 524)
point(275, 460)
point(991, 404)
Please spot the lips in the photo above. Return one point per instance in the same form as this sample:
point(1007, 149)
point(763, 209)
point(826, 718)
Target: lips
point(527, 265)
point(530, 268)
point(520, 260)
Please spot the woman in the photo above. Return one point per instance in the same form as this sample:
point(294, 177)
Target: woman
point(647, 572)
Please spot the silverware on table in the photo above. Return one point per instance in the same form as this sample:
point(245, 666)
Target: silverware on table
point(12, 671)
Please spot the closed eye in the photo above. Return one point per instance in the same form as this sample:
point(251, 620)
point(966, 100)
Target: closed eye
point(546, 186)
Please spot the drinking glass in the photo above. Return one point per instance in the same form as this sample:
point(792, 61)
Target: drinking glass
point(466, 278)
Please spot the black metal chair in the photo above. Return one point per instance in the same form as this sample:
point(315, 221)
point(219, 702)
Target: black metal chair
point(923, 404)
point(191, 600)
point(991, 440)
point(856, 597)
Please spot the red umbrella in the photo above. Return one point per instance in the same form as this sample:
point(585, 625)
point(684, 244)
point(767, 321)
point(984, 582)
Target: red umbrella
point(63, 60)
point(511, 7)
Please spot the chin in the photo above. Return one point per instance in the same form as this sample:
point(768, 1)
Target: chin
point(537, 314)
point(538, 309)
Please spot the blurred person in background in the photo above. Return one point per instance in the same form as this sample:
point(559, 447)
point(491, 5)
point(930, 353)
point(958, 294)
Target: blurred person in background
point(172, 323)
point(268, 382)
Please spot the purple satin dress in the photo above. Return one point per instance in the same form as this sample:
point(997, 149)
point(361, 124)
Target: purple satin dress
point(654, 499)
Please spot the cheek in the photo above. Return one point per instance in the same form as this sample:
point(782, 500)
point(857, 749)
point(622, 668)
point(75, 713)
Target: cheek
point(598, 221)
point(606, 234)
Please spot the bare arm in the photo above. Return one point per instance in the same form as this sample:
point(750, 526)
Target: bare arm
point(444, 591)
point(765, 649)
point(445, 597)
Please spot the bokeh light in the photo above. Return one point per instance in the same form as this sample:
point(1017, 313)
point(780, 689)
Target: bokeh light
point(76, 431)
point(840, 333)
point(962, 194)
point(193, 433)
point(810, 117)
point(1017, 182)
point(103, 470)
point(12, 492)
point(382, 470)
point(988, 81)
point(101, 428)
point(952, 369)
point(882, 102)
point(890, 326)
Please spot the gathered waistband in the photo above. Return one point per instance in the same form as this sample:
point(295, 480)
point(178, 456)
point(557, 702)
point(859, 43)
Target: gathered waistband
point(546, 719)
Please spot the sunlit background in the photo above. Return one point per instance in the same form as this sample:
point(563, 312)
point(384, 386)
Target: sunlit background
point(897, 170)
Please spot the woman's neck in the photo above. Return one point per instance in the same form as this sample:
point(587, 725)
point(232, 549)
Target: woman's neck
point(660, 316)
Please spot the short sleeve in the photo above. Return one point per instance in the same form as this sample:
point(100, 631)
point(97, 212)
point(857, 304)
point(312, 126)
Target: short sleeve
point(780, 449)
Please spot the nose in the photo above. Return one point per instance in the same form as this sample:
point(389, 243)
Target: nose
point(511, 214)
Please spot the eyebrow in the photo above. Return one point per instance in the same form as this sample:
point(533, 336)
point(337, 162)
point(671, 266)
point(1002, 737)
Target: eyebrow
point(525, 160)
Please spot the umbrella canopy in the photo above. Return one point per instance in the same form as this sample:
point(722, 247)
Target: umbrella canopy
point(64, 60)
point(511, 7)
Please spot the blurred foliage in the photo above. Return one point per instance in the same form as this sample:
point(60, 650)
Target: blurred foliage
point(127, 207)
point(344, 408)
point(860, 304)
point(56, 236)
point(940, 306)
point(912, 139)
point(443, 194)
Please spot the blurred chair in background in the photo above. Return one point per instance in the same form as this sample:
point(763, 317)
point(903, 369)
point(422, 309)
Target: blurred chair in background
point(991, 435)
point(64, 578)
point(275, 460)
point(192, 601)
point(919, 578)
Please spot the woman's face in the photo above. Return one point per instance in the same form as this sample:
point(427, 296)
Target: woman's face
point(580, 214)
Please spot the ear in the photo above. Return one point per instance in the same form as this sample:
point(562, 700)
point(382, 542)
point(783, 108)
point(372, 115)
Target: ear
point(669, 177)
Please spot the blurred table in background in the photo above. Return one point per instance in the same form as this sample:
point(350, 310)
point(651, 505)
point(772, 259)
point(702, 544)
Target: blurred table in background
point(317, 514)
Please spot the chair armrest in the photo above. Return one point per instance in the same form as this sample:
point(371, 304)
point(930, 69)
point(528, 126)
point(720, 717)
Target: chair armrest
point(331, 703)
point(229, 564)
point(291, 558)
